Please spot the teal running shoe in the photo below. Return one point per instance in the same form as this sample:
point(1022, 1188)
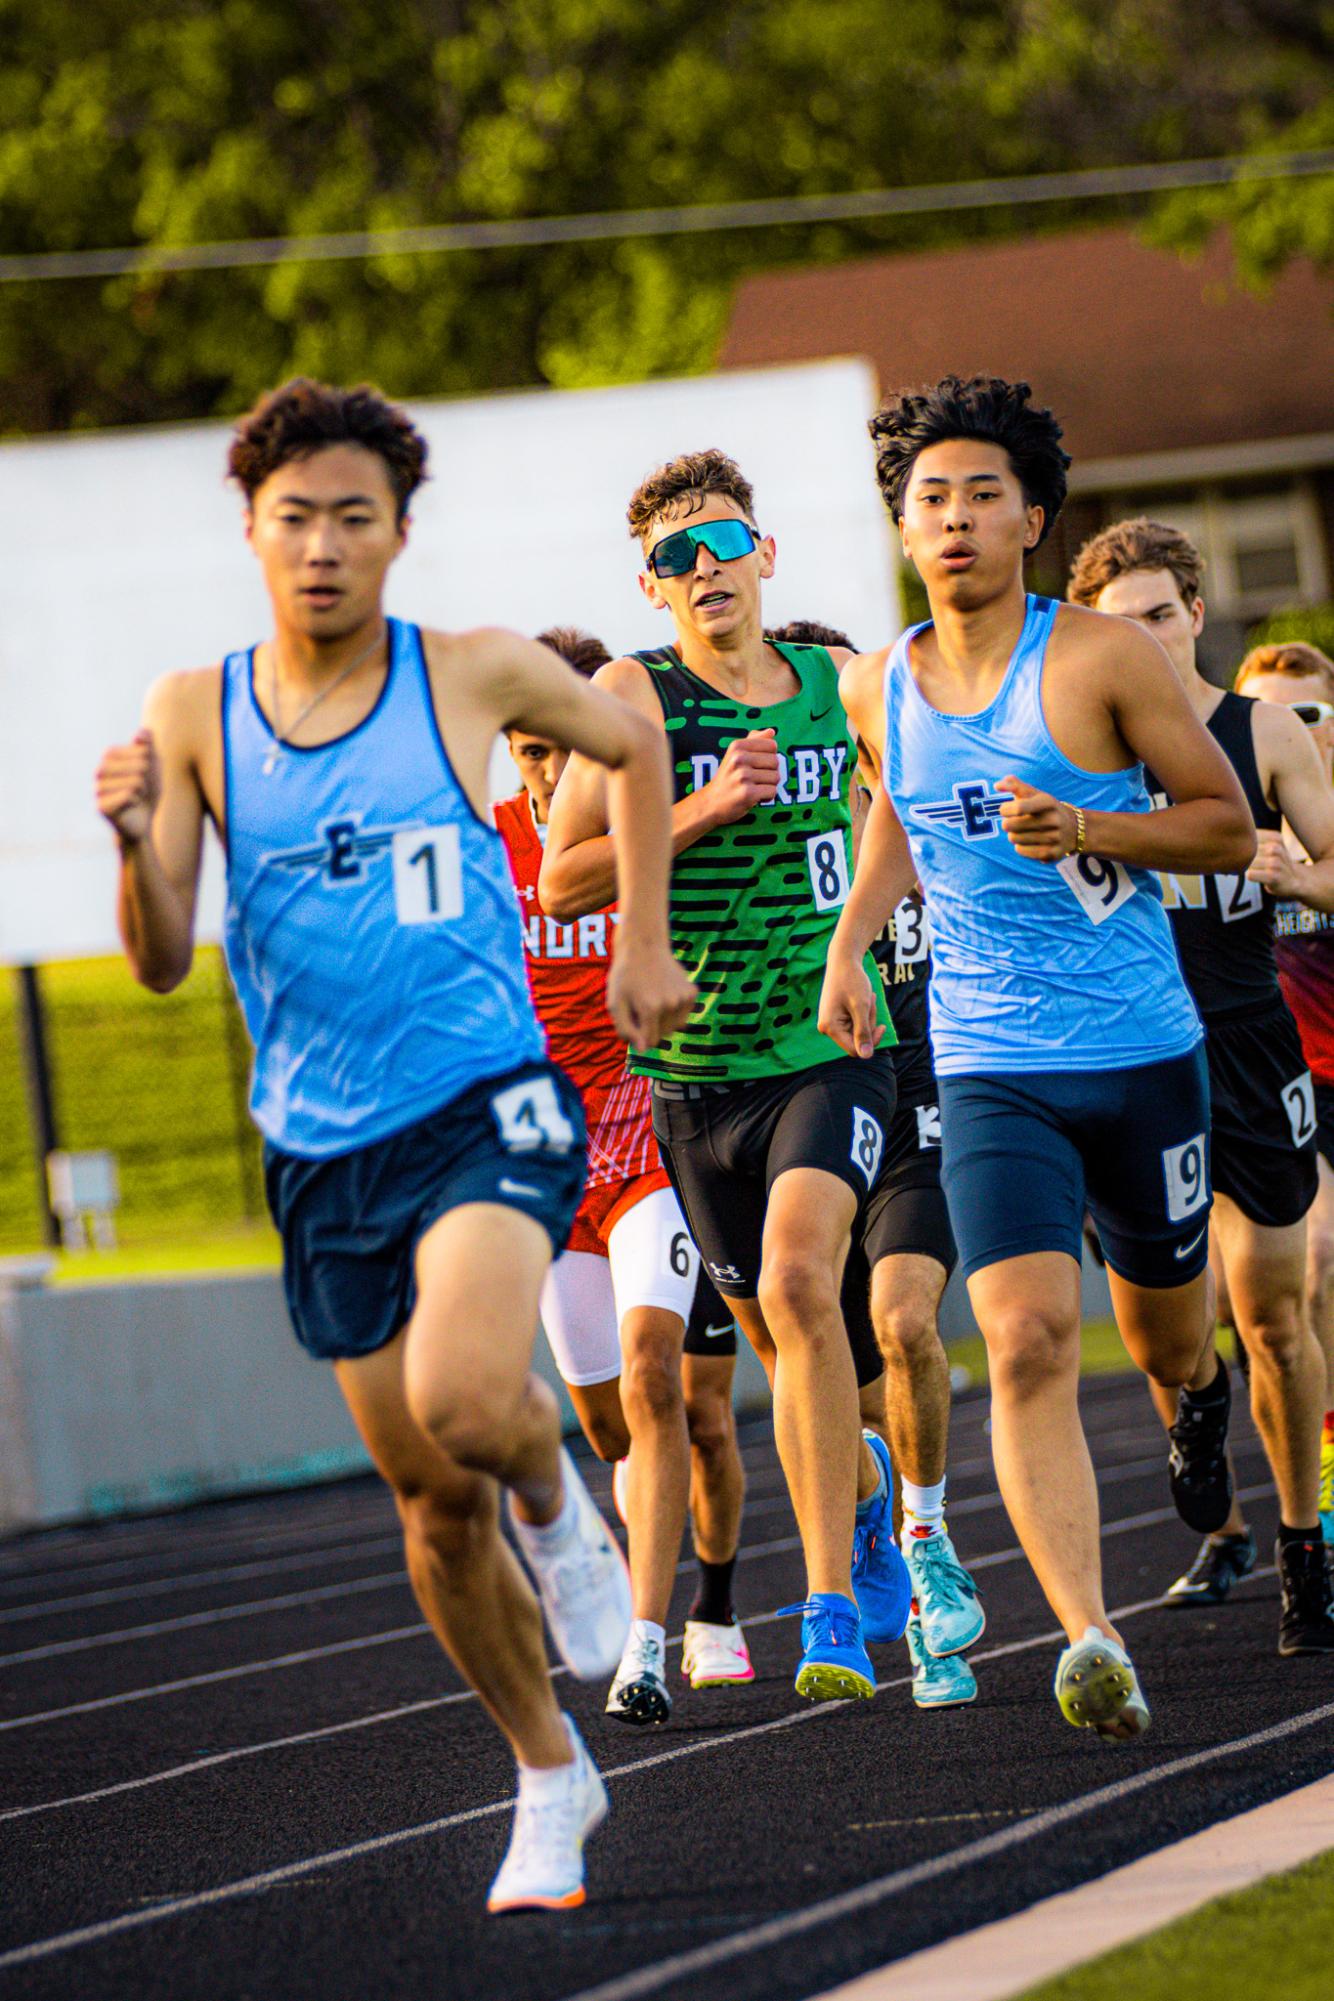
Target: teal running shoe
point(880, 1580)
point(937, 1684)
point(834, 1663)
point(949, 1607)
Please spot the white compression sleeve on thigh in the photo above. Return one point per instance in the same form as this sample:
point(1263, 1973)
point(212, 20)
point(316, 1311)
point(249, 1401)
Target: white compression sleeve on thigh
point(653, 1261)
point(579, 1316)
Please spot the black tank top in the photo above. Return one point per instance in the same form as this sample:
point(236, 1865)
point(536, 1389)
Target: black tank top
point(1222, 924)
point(902, 955)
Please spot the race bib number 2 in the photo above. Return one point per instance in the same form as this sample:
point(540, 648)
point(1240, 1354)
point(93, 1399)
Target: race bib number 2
point(1100, 886)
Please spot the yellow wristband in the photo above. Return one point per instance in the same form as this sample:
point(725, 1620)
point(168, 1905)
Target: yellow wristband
point(1079, 830)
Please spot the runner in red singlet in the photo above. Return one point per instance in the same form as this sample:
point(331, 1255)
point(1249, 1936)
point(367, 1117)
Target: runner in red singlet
point(624, 1300)
point(1302, 677)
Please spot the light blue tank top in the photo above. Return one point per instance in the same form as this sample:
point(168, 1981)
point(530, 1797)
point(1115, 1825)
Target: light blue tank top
point(372, 930)
point(1037, 966)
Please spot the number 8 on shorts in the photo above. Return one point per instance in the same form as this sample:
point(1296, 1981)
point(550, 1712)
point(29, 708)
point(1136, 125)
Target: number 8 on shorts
point(1187, 1180)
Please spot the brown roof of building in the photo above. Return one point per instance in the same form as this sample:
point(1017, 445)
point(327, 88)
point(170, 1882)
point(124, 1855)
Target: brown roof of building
point(1136, 349)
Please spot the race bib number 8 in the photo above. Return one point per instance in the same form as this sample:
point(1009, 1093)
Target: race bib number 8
point(868, 1141)
point(1100, 886)
point(1186, 1178)
point(428, 875)
point(827, 860)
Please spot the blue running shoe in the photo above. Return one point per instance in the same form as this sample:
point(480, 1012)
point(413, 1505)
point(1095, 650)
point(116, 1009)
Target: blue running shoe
point(951, 1612)
point(937, 1684)
point(880, 1580)
point(834, 1663)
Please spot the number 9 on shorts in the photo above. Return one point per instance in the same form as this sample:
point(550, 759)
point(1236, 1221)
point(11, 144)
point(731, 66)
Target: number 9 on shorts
point(1185, 1169)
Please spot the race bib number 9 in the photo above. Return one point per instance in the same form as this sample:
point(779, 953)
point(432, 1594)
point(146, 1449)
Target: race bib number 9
point(1100, 886)
point(428, 875)
point(827, 860)
point(1187, 1180)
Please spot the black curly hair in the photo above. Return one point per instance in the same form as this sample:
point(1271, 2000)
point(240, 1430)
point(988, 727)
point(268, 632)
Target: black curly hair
point(302, 417)
point(987, 408)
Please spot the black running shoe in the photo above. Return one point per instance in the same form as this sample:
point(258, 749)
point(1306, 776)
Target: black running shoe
point(1197, 1463)
point(1306, 1624)
point(1222, 1562)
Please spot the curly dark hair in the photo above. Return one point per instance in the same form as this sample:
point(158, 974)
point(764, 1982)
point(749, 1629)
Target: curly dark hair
point(303, 417)
point(692, 476)
point(987, 408)
point(584, 653)
point(809, 632)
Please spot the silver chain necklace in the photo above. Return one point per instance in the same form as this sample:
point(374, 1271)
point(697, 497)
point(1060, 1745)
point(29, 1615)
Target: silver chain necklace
point(282, 737)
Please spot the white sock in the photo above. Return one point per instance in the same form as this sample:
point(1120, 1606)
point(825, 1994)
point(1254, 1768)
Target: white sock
point(648, 1629)
point(923, 1512)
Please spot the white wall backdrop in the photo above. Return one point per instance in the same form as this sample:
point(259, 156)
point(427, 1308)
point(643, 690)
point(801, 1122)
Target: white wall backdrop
point(123, 557)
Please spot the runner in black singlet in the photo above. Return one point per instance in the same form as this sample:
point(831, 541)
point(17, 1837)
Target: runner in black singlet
point(1263, 1111)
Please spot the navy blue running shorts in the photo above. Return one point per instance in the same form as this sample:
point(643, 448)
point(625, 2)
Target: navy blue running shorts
point(351, 1224)
point(1023, 1154)
point(906, 1215)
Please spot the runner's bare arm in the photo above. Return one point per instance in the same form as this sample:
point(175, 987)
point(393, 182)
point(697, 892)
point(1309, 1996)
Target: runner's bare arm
point(579, 866)
point(149, 791)
point(648, 994)
point(1208, 826)
point(885, 874)
point(1299, 786)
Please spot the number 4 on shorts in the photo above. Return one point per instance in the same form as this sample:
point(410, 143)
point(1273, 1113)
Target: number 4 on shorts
point(530, 1118)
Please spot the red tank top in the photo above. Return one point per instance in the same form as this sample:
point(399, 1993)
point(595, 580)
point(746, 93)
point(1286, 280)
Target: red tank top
point(1304, 946)
point(567, 971)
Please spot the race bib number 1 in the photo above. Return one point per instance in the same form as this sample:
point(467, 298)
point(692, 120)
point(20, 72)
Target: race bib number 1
point(1100, 886)
point(428, 875)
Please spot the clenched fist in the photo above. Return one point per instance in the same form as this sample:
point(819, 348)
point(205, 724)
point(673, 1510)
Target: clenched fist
point(747, 776)
point(129, 785)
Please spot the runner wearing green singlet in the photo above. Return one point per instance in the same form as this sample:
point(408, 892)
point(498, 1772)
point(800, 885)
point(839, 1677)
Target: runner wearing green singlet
point(774, 1140)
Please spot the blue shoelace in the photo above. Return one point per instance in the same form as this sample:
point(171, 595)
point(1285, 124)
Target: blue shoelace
point(833, 1625)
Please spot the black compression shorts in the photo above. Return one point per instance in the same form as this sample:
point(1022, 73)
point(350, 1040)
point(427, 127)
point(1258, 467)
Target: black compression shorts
point(1264, 1125)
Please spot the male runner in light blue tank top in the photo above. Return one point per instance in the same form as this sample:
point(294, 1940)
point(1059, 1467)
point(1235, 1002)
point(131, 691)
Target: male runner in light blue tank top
point(417, 1140)
point(1067, 1048)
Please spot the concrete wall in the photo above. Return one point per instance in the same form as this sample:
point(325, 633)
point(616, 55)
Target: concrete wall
point(119, 1398)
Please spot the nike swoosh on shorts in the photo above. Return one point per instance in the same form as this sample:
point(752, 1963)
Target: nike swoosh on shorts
point(1184, 1250)
point(507, 1187)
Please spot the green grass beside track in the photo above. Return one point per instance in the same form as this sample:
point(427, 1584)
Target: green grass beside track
point(1274, 1939)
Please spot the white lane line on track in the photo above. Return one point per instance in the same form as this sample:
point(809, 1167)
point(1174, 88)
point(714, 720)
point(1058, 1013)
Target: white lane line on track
point(783, 1546)
point(219, 1615)
point(253, 1608)
point(194, 1580)
point(1130, 1522)
point(646, 1979)
point(851, 1903)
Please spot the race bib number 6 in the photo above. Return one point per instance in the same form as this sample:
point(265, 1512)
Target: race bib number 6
point(1100, 886)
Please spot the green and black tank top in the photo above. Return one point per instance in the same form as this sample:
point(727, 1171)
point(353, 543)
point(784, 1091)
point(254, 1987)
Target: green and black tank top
point(754, 904)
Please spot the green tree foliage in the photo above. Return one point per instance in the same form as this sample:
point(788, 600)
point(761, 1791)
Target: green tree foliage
point(178, 121)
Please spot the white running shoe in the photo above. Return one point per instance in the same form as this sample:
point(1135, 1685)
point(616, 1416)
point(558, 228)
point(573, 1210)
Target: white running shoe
point(543, 1868)
point(1098, 1689)
point(714, 1655)
point(640, 1693)
point(583, 1583)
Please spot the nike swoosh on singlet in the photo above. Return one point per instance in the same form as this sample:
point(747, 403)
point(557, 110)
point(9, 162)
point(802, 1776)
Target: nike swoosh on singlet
point(1184, 1250)
point(818, 717)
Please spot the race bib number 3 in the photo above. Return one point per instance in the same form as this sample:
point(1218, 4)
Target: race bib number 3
point(827, 860)
point(912, 937)
point(428, 875)
point(1100, 886)
point(1184, 1170)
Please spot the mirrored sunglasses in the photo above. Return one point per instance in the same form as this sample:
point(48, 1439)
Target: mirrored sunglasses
point(725, 540)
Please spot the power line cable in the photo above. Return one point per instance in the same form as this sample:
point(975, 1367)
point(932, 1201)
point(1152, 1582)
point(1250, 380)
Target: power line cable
point(618, 224)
